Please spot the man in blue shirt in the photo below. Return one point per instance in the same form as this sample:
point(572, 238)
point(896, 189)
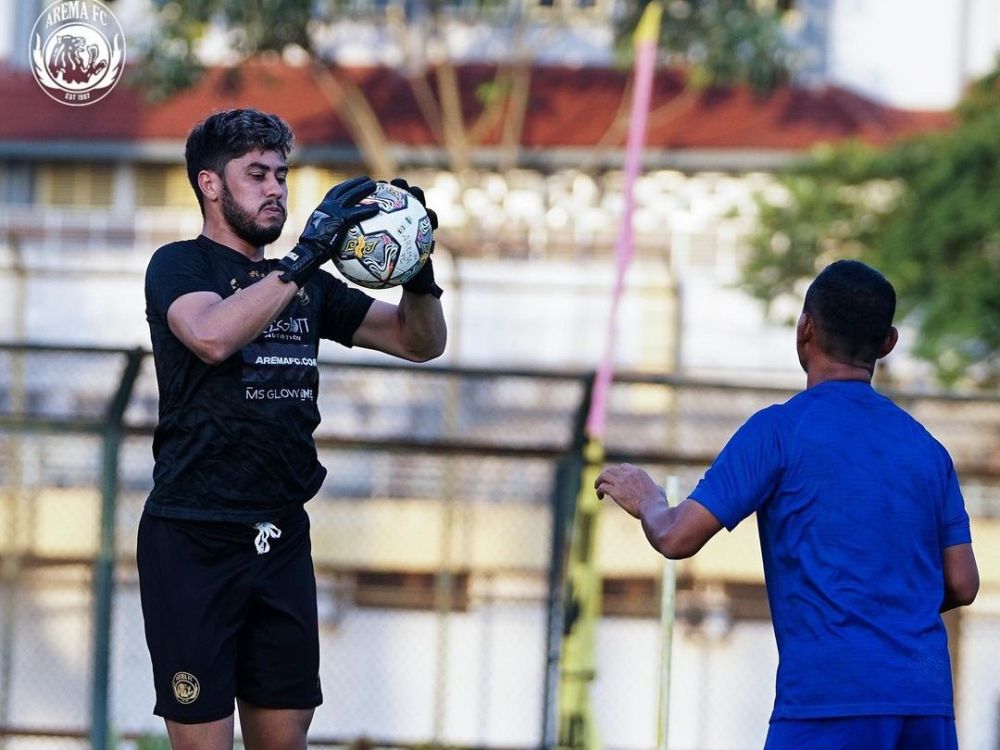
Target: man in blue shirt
point(863, 532)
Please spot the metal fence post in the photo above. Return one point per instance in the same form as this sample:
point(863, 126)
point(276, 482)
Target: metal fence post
point(567, 485)
point(104, 565)
point(10, 561)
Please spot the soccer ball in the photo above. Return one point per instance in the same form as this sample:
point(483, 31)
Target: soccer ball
point(389, 248)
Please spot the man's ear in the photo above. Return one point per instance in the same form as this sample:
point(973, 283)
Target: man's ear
point(889, 344)
point(805, 329)
point(210, 185)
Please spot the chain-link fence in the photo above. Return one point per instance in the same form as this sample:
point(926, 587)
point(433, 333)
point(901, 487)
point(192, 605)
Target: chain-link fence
point(433, 542)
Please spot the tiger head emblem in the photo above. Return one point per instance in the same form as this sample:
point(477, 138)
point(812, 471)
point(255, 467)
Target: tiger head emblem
point(74, 60)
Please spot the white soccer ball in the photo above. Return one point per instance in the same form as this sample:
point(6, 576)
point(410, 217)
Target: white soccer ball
point(389, 248)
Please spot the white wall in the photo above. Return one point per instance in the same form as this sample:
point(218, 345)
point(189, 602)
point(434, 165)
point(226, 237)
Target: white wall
point(983, 35)
point(6, 31)
point(16, 20)
point(914, 54)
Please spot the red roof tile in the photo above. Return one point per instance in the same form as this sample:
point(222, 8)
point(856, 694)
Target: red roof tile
point(568, 107)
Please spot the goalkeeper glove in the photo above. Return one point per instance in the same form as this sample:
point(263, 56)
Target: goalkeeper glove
point(423, 281)
point(337, 211)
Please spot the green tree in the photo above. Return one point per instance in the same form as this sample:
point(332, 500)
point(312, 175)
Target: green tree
point(925, 211)
point(715, 43)
point(720, 42)
point(171, 61)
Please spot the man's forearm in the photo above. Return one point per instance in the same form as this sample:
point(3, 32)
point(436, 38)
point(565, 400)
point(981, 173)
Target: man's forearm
point(677, 532)
point(229, 325)
point(421, 318)
point(657, 518)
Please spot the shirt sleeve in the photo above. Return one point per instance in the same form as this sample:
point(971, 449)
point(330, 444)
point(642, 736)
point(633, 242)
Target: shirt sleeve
point(344, 308)
point(173, 271)
point(954, 520)
point(745, 474)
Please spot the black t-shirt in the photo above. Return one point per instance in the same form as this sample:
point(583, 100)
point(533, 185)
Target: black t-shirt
point(234, 441)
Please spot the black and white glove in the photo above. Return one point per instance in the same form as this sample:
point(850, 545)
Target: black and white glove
point(325, 228)
point(423, 282)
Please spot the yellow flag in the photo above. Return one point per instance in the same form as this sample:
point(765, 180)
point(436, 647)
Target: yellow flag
point(648, 29)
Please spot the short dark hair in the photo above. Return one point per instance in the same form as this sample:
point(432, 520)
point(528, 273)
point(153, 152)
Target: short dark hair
point(853, 305)
point(228, 135)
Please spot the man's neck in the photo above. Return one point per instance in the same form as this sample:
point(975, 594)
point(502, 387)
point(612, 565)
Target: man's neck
point(222, 234)
point(828, 370)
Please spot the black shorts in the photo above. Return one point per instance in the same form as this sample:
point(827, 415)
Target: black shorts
point(224, 621)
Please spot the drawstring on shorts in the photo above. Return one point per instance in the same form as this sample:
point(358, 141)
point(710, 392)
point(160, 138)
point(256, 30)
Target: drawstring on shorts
point(265, 531)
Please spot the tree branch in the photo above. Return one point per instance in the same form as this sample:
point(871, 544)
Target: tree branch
point(353, 108)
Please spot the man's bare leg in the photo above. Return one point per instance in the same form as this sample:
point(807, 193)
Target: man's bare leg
point(274, 728)
point(212, 735)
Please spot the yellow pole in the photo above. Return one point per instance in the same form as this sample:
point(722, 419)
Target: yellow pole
point(577, 728)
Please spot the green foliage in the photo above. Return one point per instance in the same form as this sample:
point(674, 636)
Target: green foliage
point(152, 742)
point(721, 42)
point(251, 27)
point(168, 56)
point(169, 59)
point(493, 91)
point(926, 212)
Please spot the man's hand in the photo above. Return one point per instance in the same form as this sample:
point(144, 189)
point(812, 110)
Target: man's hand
point(337, 211)
point(675, 533)
point(423, 282)
point(630, 487)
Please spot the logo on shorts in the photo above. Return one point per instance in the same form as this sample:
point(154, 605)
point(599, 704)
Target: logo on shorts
point(186, 687)
point(77, 52)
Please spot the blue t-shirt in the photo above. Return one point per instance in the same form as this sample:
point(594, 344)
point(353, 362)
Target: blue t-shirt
point(855, 502)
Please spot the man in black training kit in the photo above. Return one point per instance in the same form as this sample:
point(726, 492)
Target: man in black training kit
point(225, 568)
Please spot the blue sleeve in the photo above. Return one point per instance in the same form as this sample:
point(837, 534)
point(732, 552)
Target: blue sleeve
point(745, 474)
point(344, 309)
point(173, 271)
point(954, 527)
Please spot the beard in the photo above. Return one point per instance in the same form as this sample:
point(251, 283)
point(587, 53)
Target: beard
point(245, 225)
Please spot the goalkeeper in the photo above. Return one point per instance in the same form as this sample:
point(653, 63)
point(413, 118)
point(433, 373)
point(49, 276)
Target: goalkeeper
point(225, 569)
point(863, 533)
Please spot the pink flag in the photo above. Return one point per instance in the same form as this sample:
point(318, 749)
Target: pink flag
point(645, 38)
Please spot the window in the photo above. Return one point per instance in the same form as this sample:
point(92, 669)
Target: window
point(16, 183)
point(164, 186)
point(592, 8)
point(409, 590)
point(75, 185)
point(307, 185)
